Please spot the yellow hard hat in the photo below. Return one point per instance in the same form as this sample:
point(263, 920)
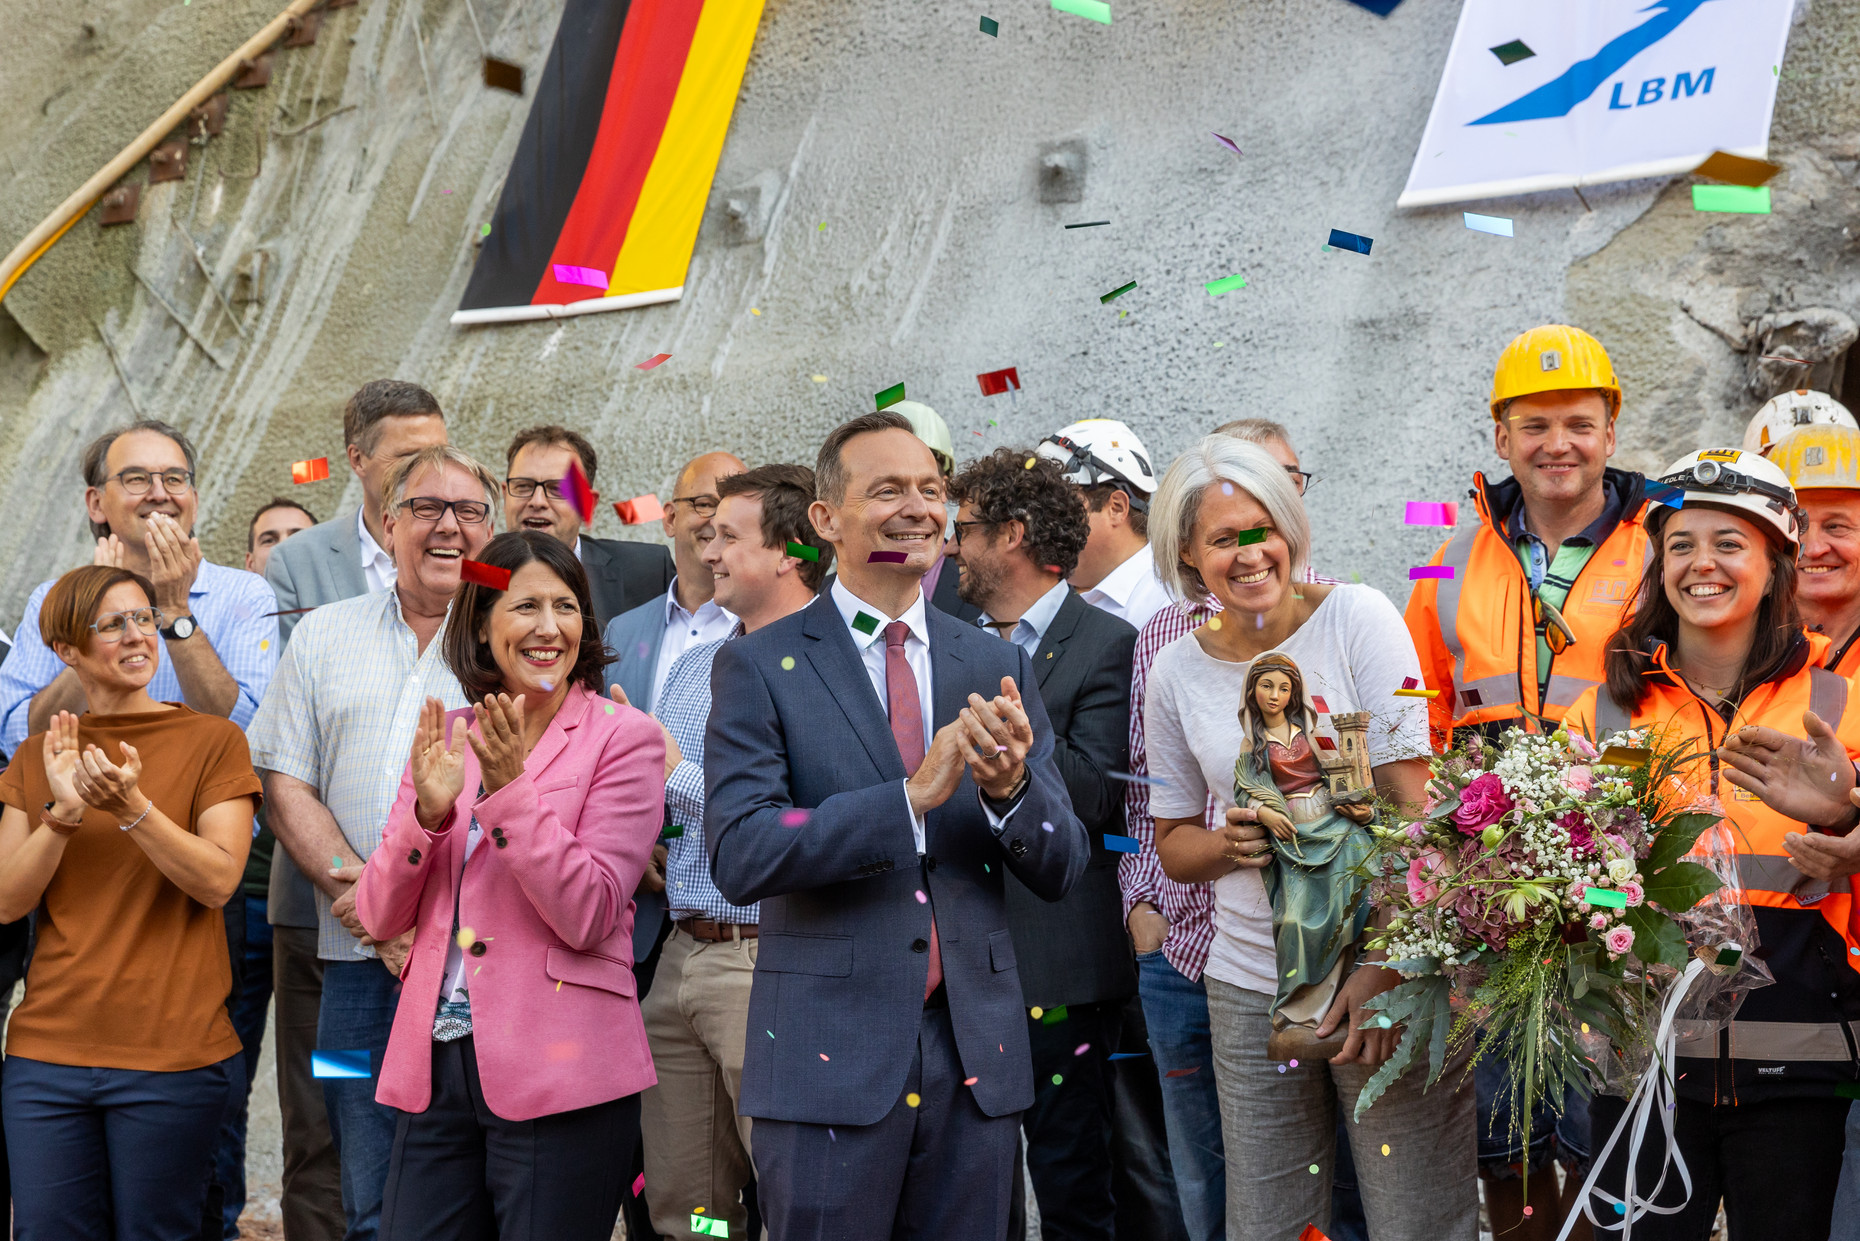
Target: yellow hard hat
point(1554, 358)
point(1820, 457)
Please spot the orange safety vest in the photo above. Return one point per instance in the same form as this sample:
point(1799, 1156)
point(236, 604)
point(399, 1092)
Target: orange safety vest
point(1844, 659)
point(1477, 636)
point(1768, 878)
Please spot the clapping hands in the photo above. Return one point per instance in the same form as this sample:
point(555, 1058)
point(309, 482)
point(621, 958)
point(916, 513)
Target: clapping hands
point(437, 764)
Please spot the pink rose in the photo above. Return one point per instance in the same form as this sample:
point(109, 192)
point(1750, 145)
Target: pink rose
point(1583, 748)
point(1421, 887)
point(1618, 940)
point(1415, 832)
point(1634, 892)
point(1579, 780)
point(1599, 922)
point(1577, 826)
point(1482, 803)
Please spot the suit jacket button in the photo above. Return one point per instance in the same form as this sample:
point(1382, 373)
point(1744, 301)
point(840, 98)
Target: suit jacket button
point(930, 863)
point(477, 949)
point(920, 945)
point(500, 842)
point(497, 833)
point(1018, 848)
point(414, 857)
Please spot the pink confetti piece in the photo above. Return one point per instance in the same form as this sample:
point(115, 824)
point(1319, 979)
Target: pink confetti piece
point(652, 361)
point(970, 1081)
point(1410, 683)
point(887, 558)
point(1229, 143)
point(1420, 571)
point(822, 1055)
point(793, 818)
point(1432, 513)
point(567, 273)
point(921, 898)
point(639, 1184)
point(1081, 1049)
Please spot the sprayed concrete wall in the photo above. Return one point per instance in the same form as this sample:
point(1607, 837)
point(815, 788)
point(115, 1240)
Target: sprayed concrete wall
point(898, 157)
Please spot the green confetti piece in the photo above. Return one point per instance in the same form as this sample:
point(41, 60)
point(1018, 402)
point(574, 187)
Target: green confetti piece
point(673, 832)
point(1729, 956)
point(1058, 1080)
point(1226, 284)
point(866, 623)
point(787, 663)
point(1847, 1090)
point(1511, 53)
point(991, 27)
point(1607, 898)
point(801, 551)
point(1096, 10)
point(1246, 538)
point(1053, 1016)
point(484, 230)
point(1118, 292)
point(890, 396)
point(1744, 199)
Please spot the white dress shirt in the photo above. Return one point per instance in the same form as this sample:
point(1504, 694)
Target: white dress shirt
point(1133, 591)
point(377, 565)
point(1034, 622)
point(684, 630)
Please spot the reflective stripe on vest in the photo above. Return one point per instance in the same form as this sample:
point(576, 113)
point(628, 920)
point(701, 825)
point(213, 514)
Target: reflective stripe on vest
point(1827, 698)
point(1761, 873)
point(1770, 1040)
point(1488, 695)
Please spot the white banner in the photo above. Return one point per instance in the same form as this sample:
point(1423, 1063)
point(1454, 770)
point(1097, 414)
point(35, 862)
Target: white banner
point(1610, 89)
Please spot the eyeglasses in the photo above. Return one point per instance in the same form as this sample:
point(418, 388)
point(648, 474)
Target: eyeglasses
point(524, 488)
point(1550, 623)
point(431, 508)
point(112, 626)
point(1301, 479)
point(703, 506)
point(958, 525)
point(137, 482)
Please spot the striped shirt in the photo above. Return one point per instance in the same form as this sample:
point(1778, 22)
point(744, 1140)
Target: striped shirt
point(340, 716)
point(683, 706)
point(1189, 907)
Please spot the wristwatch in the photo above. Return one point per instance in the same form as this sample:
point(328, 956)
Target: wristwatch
point(182, 629)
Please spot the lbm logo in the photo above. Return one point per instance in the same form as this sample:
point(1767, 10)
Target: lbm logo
point(1576, 83)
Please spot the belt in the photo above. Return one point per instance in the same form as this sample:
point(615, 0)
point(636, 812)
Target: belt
point(1769, 1040)
point(709, 932)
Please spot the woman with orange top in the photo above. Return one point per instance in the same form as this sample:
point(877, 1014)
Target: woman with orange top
point(1716, 653)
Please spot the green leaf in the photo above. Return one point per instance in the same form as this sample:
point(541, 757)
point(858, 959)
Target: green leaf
point(1656, 937)
point(1671, 842)
point(1446, 808)
point(1681, 886)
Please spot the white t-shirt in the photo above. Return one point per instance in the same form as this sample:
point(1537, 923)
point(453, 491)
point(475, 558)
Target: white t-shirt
point(1354, 653)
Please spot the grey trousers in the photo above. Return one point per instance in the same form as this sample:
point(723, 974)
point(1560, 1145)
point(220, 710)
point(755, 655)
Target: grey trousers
point(1415, 1151)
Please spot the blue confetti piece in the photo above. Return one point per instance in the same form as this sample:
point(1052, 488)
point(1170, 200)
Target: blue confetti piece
point(1128, 1055)
point(1341, 240)
point(339, 1063)
point(1497, 225)
point(1122, 844)
point(1129, 778)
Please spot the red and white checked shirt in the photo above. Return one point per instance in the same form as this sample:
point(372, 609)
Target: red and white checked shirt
point(1188, 906)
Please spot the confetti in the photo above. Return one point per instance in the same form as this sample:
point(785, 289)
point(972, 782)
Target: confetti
point(1054, 1016)
point(1035, 1012)
point(1096, 10)
point(1527, 1212)
point(787, 663)
point(921, 898)
point(1226, 284)
point(994, 383)
point(801, 551)
point(578, 492)
point(503, 75)
point(1314, 1169)
point(890, 396)
point(1246, 538)
point(888, 558)
point(793, 818)
point(264, 644)
point(652, 361)
point(336, 862)
point(1118, 292)
point(484, 230)
point(1625, 756)
point(1497, 225)
point(1130, 778)
point(970, 1081)
point(314, 470)
point(1183, 1072)
point(1089, 224)
point(1385, 1148)
point(1341, 240)
point(1081, 1049)
point(339, 1064)
point(1322, 707)
point(485, 575)
point(1128, 1055)
point(1607, 898)
point(566, 273)
point(913, 1099)
point(1122, 844)
point(1214, 623)
point(865, 623)
point(819, 379)
point(466, 937)
point(639, 510)
point(1417, 693)
point(1294, 1064)
point(1744, 199)
point(1229, 143)
point(1511, 53)
point(1723, 166)
point(1420, 571)
point(990, 27)
point(822, 1055)
point(1430, 513)
point(1046, 827)
point(639, 1184)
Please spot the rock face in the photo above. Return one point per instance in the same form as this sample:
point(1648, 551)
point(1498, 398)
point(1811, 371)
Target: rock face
point(889, 207)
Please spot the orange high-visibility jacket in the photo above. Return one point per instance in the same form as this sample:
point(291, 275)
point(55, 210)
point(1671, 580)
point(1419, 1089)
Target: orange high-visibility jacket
point(1797, 1036)
point(1475, 631)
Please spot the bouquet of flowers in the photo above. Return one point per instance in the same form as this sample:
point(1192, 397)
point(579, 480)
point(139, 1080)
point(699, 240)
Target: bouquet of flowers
point(1542, 896)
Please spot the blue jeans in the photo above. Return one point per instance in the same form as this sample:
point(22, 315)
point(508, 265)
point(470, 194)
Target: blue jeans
point(1176, 1010)
point(1559, 1134)
point(111, 1153)
point(1847, 1196)
point(248, 1009)
point(357, 1013)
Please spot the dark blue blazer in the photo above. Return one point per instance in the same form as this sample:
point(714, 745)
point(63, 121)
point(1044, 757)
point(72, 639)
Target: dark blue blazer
point(841, 963)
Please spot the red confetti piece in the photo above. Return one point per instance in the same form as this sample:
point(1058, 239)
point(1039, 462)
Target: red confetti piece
point(887, 558)
point(1317, 701)
point(994, 383)
point(1182, 1072)
point(639, 1185)
point(578, 492)
point(652, 361)
point(970, 1081)
point(312, 471)
point(1410, 683)
point(484, 574)
point(639, 510)
point(1325, 743)
point(1312, 1233)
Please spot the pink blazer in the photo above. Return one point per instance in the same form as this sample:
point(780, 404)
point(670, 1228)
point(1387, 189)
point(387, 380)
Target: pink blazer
point(554, 1008)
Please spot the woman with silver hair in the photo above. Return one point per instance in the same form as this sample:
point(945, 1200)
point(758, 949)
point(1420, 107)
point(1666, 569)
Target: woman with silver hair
point(1227, 524)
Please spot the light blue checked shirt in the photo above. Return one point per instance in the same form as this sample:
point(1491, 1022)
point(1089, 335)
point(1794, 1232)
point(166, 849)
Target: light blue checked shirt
point(683, 705)
point(340, 717)
point(229, 605)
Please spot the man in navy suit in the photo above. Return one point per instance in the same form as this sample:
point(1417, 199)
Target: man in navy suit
point(873, 769)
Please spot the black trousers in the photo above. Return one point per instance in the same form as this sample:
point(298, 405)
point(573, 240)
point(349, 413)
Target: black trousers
point(1068, 1127)
point(459, 1172)
point(1775, 1165)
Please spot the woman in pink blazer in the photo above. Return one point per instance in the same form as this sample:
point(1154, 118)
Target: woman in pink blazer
point(517, 1054)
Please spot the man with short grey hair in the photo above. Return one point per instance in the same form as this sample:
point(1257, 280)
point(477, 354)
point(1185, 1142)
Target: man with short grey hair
point(329, 741)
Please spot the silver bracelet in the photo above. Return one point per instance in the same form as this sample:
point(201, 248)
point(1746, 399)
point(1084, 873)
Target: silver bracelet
point(145, 814)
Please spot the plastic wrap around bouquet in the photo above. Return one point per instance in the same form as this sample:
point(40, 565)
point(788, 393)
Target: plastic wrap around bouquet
point(1570, 899)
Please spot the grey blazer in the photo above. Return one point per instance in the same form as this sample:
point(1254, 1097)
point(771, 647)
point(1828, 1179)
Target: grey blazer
point(634, 637)
point(1076, 951)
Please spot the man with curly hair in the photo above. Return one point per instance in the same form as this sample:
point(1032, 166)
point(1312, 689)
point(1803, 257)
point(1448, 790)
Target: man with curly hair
point(1018, 536)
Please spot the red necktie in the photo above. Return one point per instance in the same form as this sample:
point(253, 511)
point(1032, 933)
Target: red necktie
point(907, 728)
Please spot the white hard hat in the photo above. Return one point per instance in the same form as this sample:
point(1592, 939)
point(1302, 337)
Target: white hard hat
point(1102, 450)
point(1779, 417)
point(1727, 478)
point(928, 426)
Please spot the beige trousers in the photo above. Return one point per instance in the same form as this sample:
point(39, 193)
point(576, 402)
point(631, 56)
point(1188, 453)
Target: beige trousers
point(697, 1147)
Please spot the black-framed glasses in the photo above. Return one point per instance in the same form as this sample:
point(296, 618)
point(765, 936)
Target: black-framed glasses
point(958, 525)
point(1301, 479)
point(114, 626)
point(524, 488)
point(703, 506)
point(432, 508)
point(137, 481)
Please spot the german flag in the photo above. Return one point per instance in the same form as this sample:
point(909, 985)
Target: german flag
point(601, 206)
